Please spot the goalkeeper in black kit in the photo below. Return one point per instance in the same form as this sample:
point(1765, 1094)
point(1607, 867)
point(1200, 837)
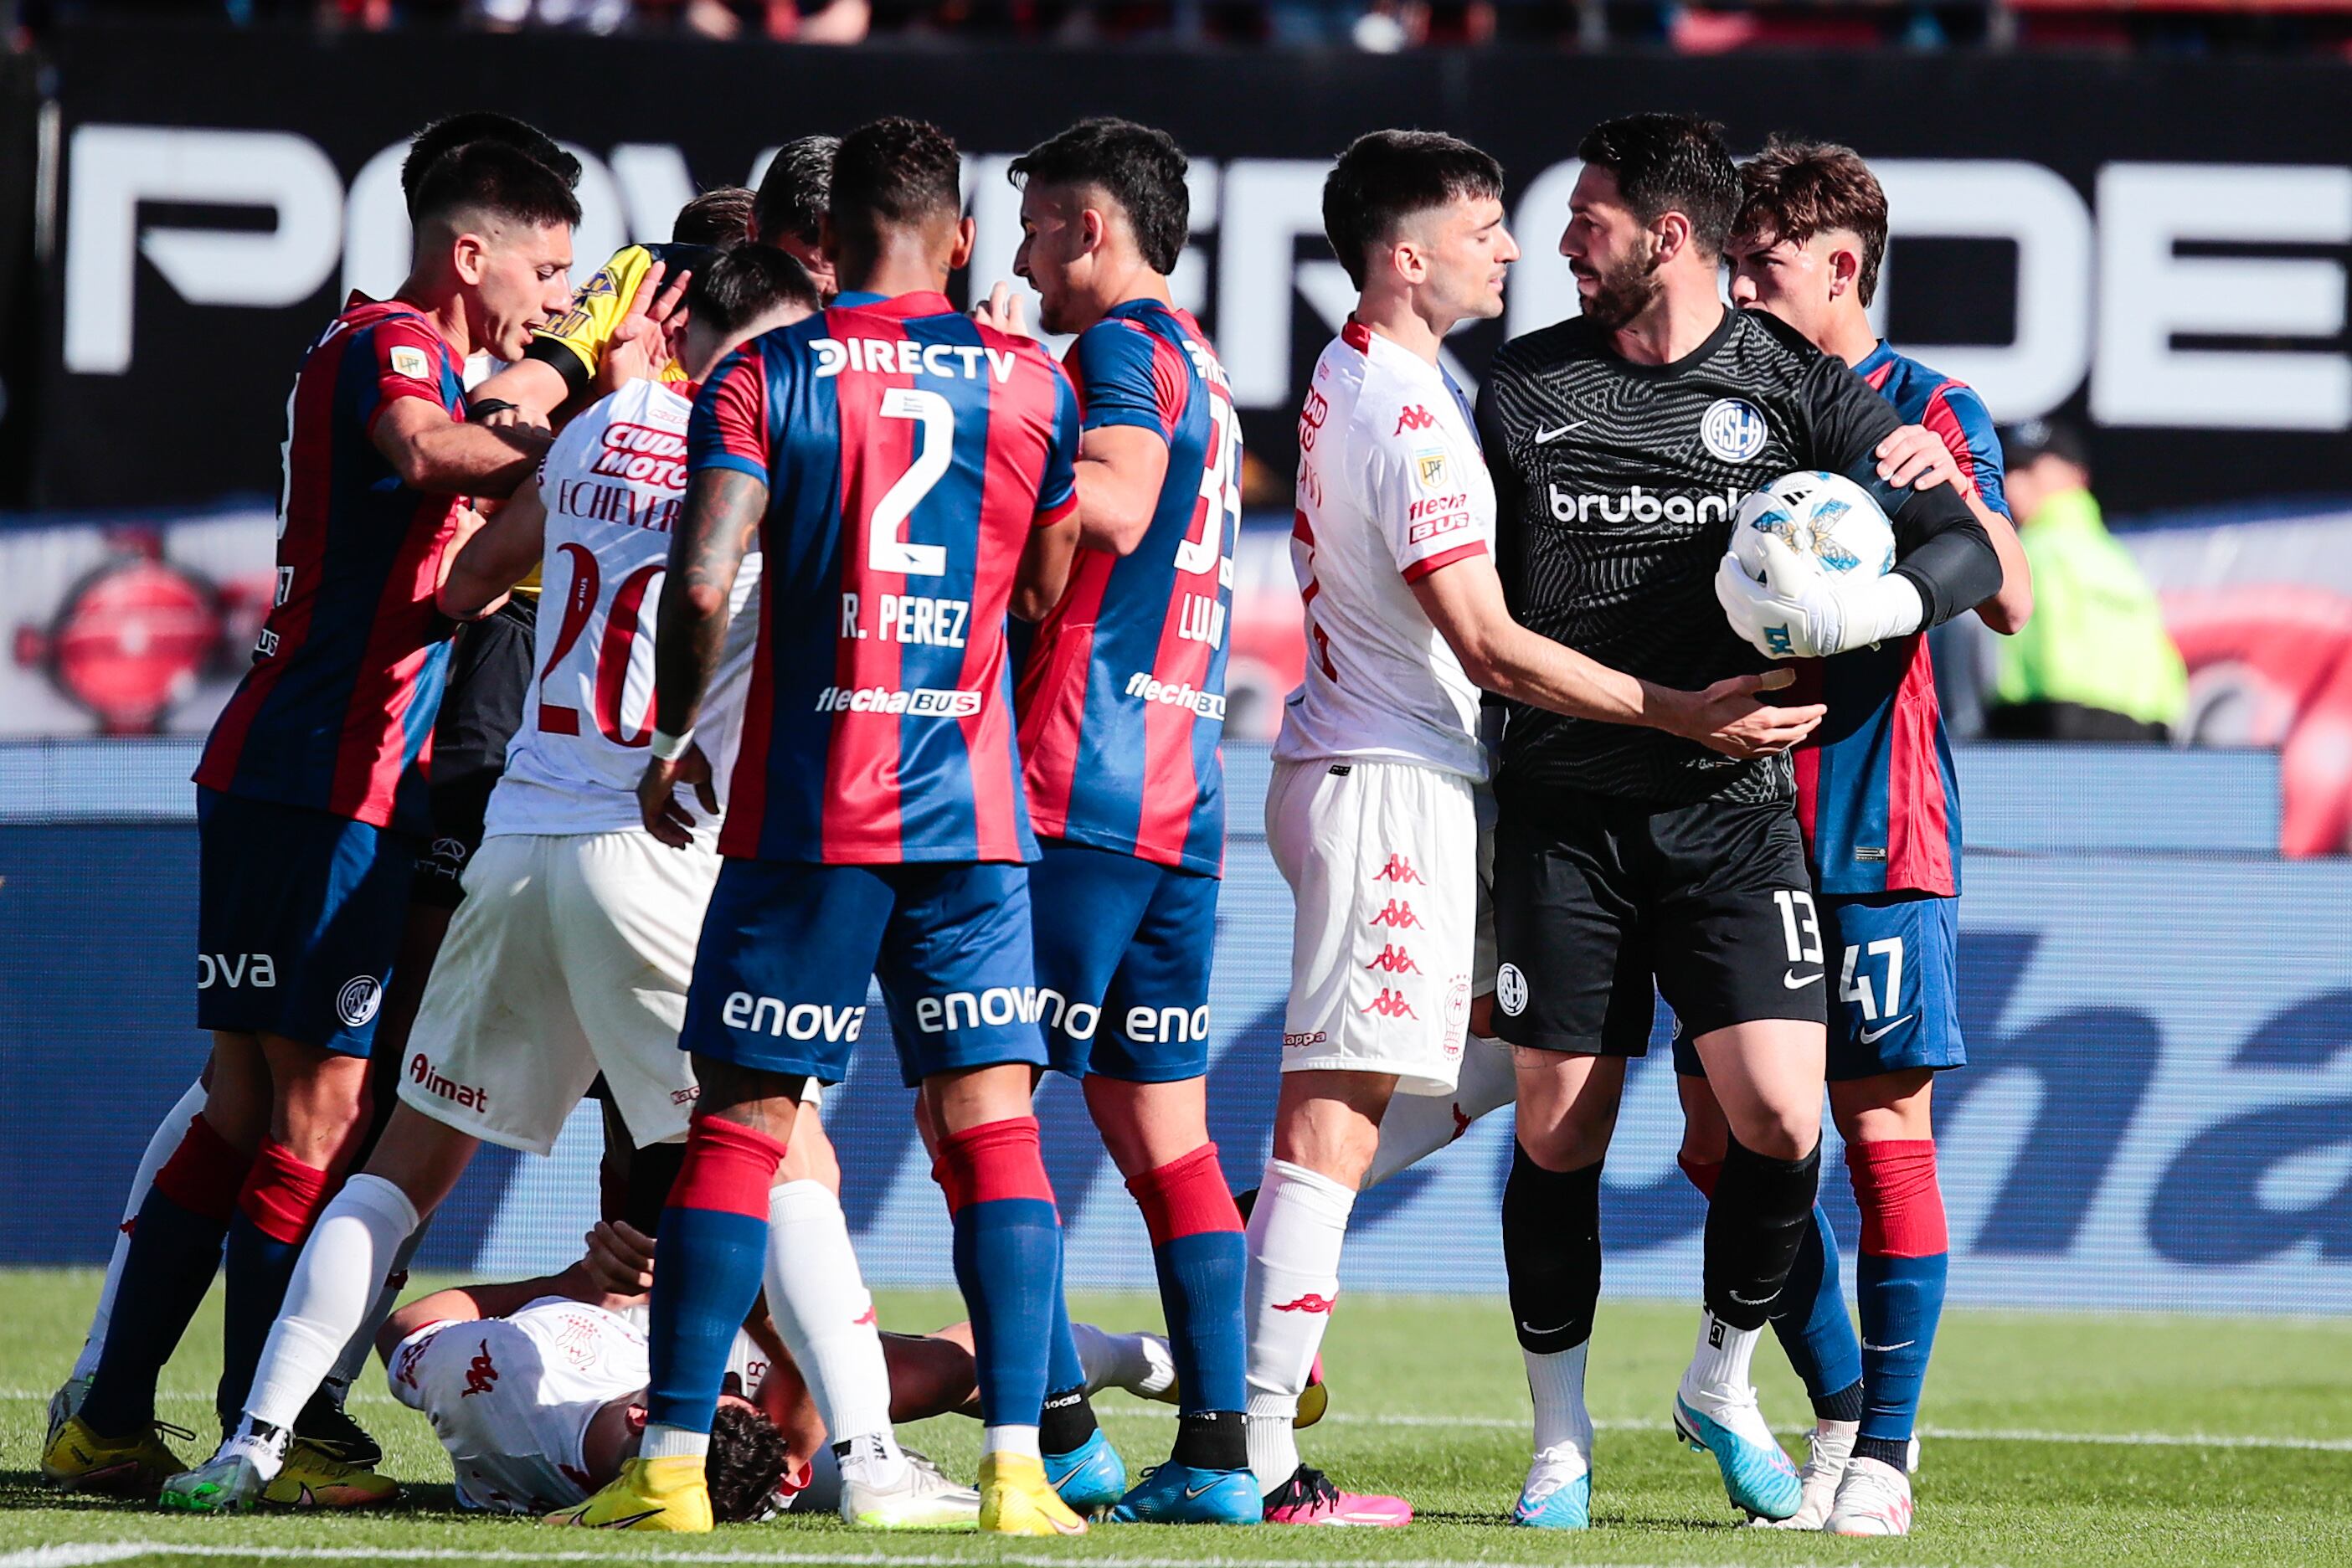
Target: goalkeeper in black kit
point(1621, 442)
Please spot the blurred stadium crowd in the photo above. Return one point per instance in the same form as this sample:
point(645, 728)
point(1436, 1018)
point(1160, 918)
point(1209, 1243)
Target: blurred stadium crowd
point(2161, 26)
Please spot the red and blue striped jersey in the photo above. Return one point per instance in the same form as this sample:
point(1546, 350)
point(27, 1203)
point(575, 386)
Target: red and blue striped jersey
point(908, 452)
point(337, 712)
point(1877, 794)
point(1123, 696)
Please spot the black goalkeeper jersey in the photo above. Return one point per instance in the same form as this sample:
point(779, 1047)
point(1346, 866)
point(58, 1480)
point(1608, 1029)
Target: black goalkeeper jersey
point(1615, 488)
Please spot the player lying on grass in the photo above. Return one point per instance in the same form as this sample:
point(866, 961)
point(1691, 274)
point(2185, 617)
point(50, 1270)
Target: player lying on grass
point(536, 1388)
point(572, 953)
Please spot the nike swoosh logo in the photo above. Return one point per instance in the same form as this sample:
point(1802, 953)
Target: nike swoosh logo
point(1199, 1492)
point(1790, 978)
point(1869, 1035)
point(1554, 1329)
point(1899, 1344)
point(1544, 436)
point(1757, 1300)
point(625, 1520)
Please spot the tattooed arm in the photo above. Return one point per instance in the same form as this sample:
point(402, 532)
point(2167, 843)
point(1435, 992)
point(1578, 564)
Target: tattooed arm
point(722, 519)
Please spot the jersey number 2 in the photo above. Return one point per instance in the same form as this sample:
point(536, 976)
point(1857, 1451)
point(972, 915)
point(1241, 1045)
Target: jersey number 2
point(885, 549)
point(611, 676)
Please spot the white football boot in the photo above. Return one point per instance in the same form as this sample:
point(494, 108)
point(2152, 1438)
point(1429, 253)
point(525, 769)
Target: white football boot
point(1875, 1498)
point(1825, 1462)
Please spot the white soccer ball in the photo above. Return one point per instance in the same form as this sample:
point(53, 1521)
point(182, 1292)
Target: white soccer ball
point(1826, 518)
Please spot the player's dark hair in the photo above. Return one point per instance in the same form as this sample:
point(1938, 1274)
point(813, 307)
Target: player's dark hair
point(1670, 163)
point(794, 192)
point(736, 288)
point(494, 178)
point(452, 131)
point(1389, 176)
point(721, 219)
point(745, 1462)
point(1140, 168)
point(1795, 189)
point(892, 174)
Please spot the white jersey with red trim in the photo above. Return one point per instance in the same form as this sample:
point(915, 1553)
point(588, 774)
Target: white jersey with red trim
point(511, 1397)
point(1391, 486)
point(613, 484)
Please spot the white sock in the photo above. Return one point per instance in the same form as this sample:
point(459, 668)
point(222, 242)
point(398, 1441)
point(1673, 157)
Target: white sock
point(1295, 1236)
point(362, 1344)
point(872, 1460)
point(1021, 1441)
point(1722, 1357)
point(1555, 1384)
point(825, 1316)
point(336, 1279)
point(1417, 1125)
point(666, 1442)
point(1141, 1363)
point(166, 1138)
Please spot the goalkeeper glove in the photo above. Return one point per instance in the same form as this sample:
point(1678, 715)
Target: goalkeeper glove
point(1799, 611)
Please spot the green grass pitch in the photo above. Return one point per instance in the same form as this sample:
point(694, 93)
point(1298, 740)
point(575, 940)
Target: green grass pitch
point(2048, 1439)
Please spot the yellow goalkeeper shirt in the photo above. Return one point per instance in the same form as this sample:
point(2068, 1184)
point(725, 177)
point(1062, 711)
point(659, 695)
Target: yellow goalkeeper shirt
point(575, 345)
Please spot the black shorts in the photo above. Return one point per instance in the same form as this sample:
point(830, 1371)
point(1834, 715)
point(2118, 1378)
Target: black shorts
point(1598, 898)
point(490, 683)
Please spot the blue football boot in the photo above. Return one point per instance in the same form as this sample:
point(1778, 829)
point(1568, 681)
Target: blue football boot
point(1089, 1477)
point(1558, 1494)
point(1181, 1494)
point(1757, 1475)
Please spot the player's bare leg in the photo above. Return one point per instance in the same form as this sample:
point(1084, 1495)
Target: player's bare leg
point(1767, 1076)
point(1899, 1282)
point(1326, 1127)
point(1551, 1252)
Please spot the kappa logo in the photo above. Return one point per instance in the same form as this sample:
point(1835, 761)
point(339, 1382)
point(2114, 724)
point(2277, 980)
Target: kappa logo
point(1398, 915)
point(480, 1373)
point(1414, 417)
point(1389, 1004)
point(1399, 869)
point(1309, 1303)
point(404, 1371)
point(1394, 960)
point(1733, 429)
point(1461, 1122)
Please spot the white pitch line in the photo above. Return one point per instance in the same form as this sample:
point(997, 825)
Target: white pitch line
point(95, 1552)
point(1514, 1423)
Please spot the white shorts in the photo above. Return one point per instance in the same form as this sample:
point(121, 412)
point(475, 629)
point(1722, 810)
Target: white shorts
point(569, 957)
point(1381, 859)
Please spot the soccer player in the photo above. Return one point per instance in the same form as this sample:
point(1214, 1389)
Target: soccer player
point(572, 957)
point(1120, 704)
point(1880, 810)
point(536, 1388)
point(561, 365)
point(311, 796)
point(1370, 815)
point(1623, 441)
point(469, 745)
point(892, 458)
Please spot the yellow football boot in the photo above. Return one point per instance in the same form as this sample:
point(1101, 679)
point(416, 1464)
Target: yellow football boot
point(650, 1494)
point(1015, 1499)
point(78, 1459)
point(311, 1477)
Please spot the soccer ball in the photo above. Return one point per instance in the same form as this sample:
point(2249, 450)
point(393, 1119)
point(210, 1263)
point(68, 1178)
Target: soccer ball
point(1825, 517)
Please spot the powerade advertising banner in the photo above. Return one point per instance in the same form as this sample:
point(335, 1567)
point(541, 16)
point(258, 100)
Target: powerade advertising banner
point(2159, 1112)
point(2156, 246)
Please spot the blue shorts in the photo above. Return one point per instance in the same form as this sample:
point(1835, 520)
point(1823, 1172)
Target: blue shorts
point(299, 913)
point(1123, 952)
point(1895, 960)
point(788, 948)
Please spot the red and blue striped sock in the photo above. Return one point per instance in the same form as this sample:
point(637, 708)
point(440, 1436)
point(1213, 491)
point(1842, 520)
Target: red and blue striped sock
point(282, 1197)
point(1008, 1260)
point(1899, 1281)
point(1202, 1257)
point(714, 1242)
point(175, 1246)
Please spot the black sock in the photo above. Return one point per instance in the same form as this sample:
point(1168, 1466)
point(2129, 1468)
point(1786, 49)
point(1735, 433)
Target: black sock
point(1758, 1217)
point(652, 1170)
point(1245, 1201)
point(1845, 1405)
point(1551, 1252)
point(1066, 1422)
point(1210, 1440)
point(1894, 1451)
